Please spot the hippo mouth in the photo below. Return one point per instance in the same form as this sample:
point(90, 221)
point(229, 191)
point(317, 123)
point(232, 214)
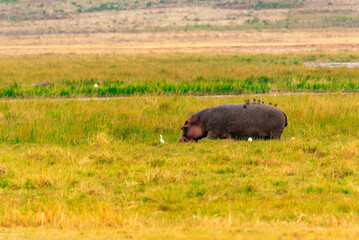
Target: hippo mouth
point(185, 139)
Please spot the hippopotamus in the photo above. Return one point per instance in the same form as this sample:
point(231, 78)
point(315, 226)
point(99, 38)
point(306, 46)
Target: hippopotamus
point(238, 121)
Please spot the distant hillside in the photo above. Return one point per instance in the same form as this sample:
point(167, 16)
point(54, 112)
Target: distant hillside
point(18, 17)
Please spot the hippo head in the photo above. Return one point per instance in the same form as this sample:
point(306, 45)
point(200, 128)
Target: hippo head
point(192, 130)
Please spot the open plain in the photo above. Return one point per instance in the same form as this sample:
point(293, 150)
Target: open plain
point(81, 158)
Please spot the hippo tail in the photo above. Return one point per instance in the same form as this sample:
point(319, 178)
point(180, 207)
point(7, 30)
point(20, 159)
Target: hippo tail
point(285, 117)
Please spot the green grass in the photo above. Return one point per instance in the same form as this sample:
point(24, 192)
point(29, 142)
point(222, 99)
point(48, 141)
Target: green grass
point(98, 164)
point(143, 119)
point(295, 21)
point(96, 169)
point(274, 4)
point(170, 73)
point(315, 20)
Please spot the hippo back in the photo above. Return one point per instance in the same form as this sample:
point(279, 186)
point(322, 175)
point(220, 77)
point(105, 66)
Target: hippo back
point(243, 120)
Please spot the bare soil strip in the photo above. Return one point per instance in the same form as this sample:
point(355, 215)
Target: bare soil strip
point(273, 93)
point(191, 41)
point(333, 64)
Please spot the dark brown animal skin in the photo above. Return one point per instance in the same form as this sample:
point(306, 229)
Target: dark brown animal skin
point(239, 121)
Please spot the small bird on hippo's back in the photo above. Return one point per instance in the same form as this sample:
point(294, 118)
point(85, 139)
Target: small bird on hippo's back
point(239, 121)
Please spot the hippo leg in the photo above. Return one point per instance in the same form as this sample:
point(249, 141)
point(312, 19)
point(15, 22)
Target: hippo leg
point(276, 133)
point(212, 135)
point(217, 134)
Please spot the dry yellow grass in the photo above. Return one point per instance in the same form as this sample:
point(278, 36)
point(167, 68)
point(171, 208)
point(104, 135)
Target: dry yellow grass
point(199, 41)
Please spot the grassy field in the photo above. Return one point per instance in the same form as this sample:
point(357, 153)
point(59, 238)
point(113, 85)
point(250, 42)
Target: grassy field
point(76, 166)
point(74, 75)
point(20, 17)
point(95, 169)
point(67, 167)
